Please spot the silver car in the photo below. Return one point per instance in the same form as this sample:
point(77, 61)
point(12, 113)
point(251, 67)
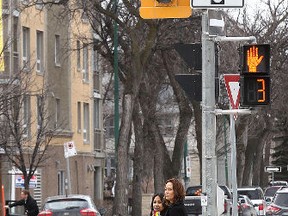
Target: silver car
point(279, 206)
point(256, 196)
point(72, 205)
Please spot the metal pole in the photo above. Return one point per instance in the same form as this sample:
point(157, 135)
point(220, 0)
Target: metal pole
point(233, 165)
point(209, 167)
point(68, 175)
point(226, 153)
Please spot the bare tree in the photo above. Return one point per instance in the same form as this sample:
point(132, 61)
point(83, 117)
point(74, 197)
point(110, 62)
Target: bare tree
point(25, 138)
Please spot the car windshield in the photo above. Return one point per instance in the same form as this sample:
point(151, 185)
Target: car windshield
point(66, 204)
point(252, 194)
point(271, 191)
point(281, 199)
point(194, 191)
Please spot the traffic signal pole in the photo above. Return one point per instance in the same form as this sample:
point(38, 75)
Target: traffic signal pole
point(209, 112)
point(209, 162)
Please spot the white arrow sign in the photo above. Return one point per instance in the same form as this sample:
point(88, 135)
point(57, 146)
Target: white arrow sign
point(273, 169)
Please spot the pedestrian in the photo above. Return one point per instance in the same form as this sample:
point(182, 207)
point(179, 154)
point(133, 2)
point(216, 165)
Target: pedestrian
point(158, 207)
point(30, 204)
point(174, 198)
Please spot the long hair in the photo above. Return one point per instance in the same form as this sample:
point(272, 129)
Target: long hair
point(161, 195)
point(178, 188)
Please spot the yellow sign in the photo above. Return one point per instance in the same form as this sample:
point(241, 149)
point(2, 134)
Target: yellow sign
point(2, 67)
point(152, 9)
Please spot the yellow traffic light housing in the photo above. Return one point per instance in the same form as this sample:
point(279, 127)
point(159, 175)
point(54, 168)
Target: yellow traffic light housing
point(160, 9)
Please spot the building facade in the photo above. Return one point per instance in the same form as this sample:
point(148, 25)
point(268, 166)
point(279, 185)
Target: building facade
point(53, 47)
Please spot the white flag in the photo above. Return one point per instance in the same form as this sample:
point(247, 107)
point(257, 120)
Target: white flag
point(69, 149)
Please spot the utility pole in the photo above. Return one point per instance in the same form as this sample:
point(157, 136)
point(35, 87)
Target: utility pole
point(209, 166)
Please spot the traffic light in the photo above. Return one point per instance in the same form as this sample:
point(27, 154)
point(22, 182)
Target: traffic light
point(159, 9)
point(255, 75)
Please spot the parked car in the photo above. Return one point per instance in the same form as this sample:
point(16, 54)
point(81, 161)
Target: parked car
point(256, 195)
point(278, 183)
point(247, 208)
point(279, 206)
point(72, 205)
point(270, 192)
point(192, 200)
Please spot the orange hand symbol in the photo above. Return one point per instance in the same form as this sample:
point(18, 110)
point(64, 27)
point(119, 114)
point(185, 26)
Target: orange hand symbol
point(252, 59)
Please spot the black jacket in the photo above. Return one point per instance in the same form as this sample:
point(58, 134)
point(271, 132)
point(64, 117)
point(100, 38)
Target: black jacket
point(30, 205)
point(176, 209)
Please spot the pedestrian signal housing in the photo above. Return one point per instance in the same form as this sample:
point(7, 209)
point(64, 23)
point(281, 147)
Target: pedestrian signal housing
point(255, 75)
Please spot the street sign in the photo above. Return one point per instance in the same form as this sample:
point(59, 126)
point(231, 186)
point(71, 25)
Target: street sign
point(273, 168)
point(69, 149)
point(217, 3)
point(216, 23)
point(233, 89)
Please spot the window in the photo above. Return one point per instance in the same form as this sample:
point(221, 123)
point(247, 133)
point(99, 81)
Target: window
point(26, 116)
point(57, 113)
point(78, 55)
point(95, 60)
point(57, 50)
point(85, 64)
point(25, 48)
point(96, 113)
point(96, 73)
point(79, 116)
point(86, 126)
point(40, 111)
point(40, 52)
point(61, 183)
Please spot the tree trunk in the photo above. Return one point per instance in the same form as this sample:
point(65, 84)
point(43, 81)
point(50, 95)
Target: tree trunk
point(121, 189)
point(249, 159)
point(259, 159)
point(137, 163)
point(242, 140)
point(267, 148)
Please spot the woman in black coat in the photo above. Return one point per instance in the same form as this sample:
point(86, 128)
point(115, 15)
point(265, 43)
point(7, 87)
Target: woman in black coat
point(30, 205)
point(174, 196)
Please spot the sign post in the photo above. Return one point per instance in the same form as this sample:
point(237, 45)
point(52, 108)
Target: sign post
point(272, 170)
point(233, 89)
point(69, 151)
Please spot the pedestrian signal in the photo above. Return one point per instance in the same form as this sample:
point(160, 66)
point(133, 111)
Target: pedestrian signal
point(255, 75)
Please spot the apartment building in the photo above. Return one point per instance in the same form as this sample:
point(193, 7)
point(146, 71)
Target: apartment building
point(53, 48)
